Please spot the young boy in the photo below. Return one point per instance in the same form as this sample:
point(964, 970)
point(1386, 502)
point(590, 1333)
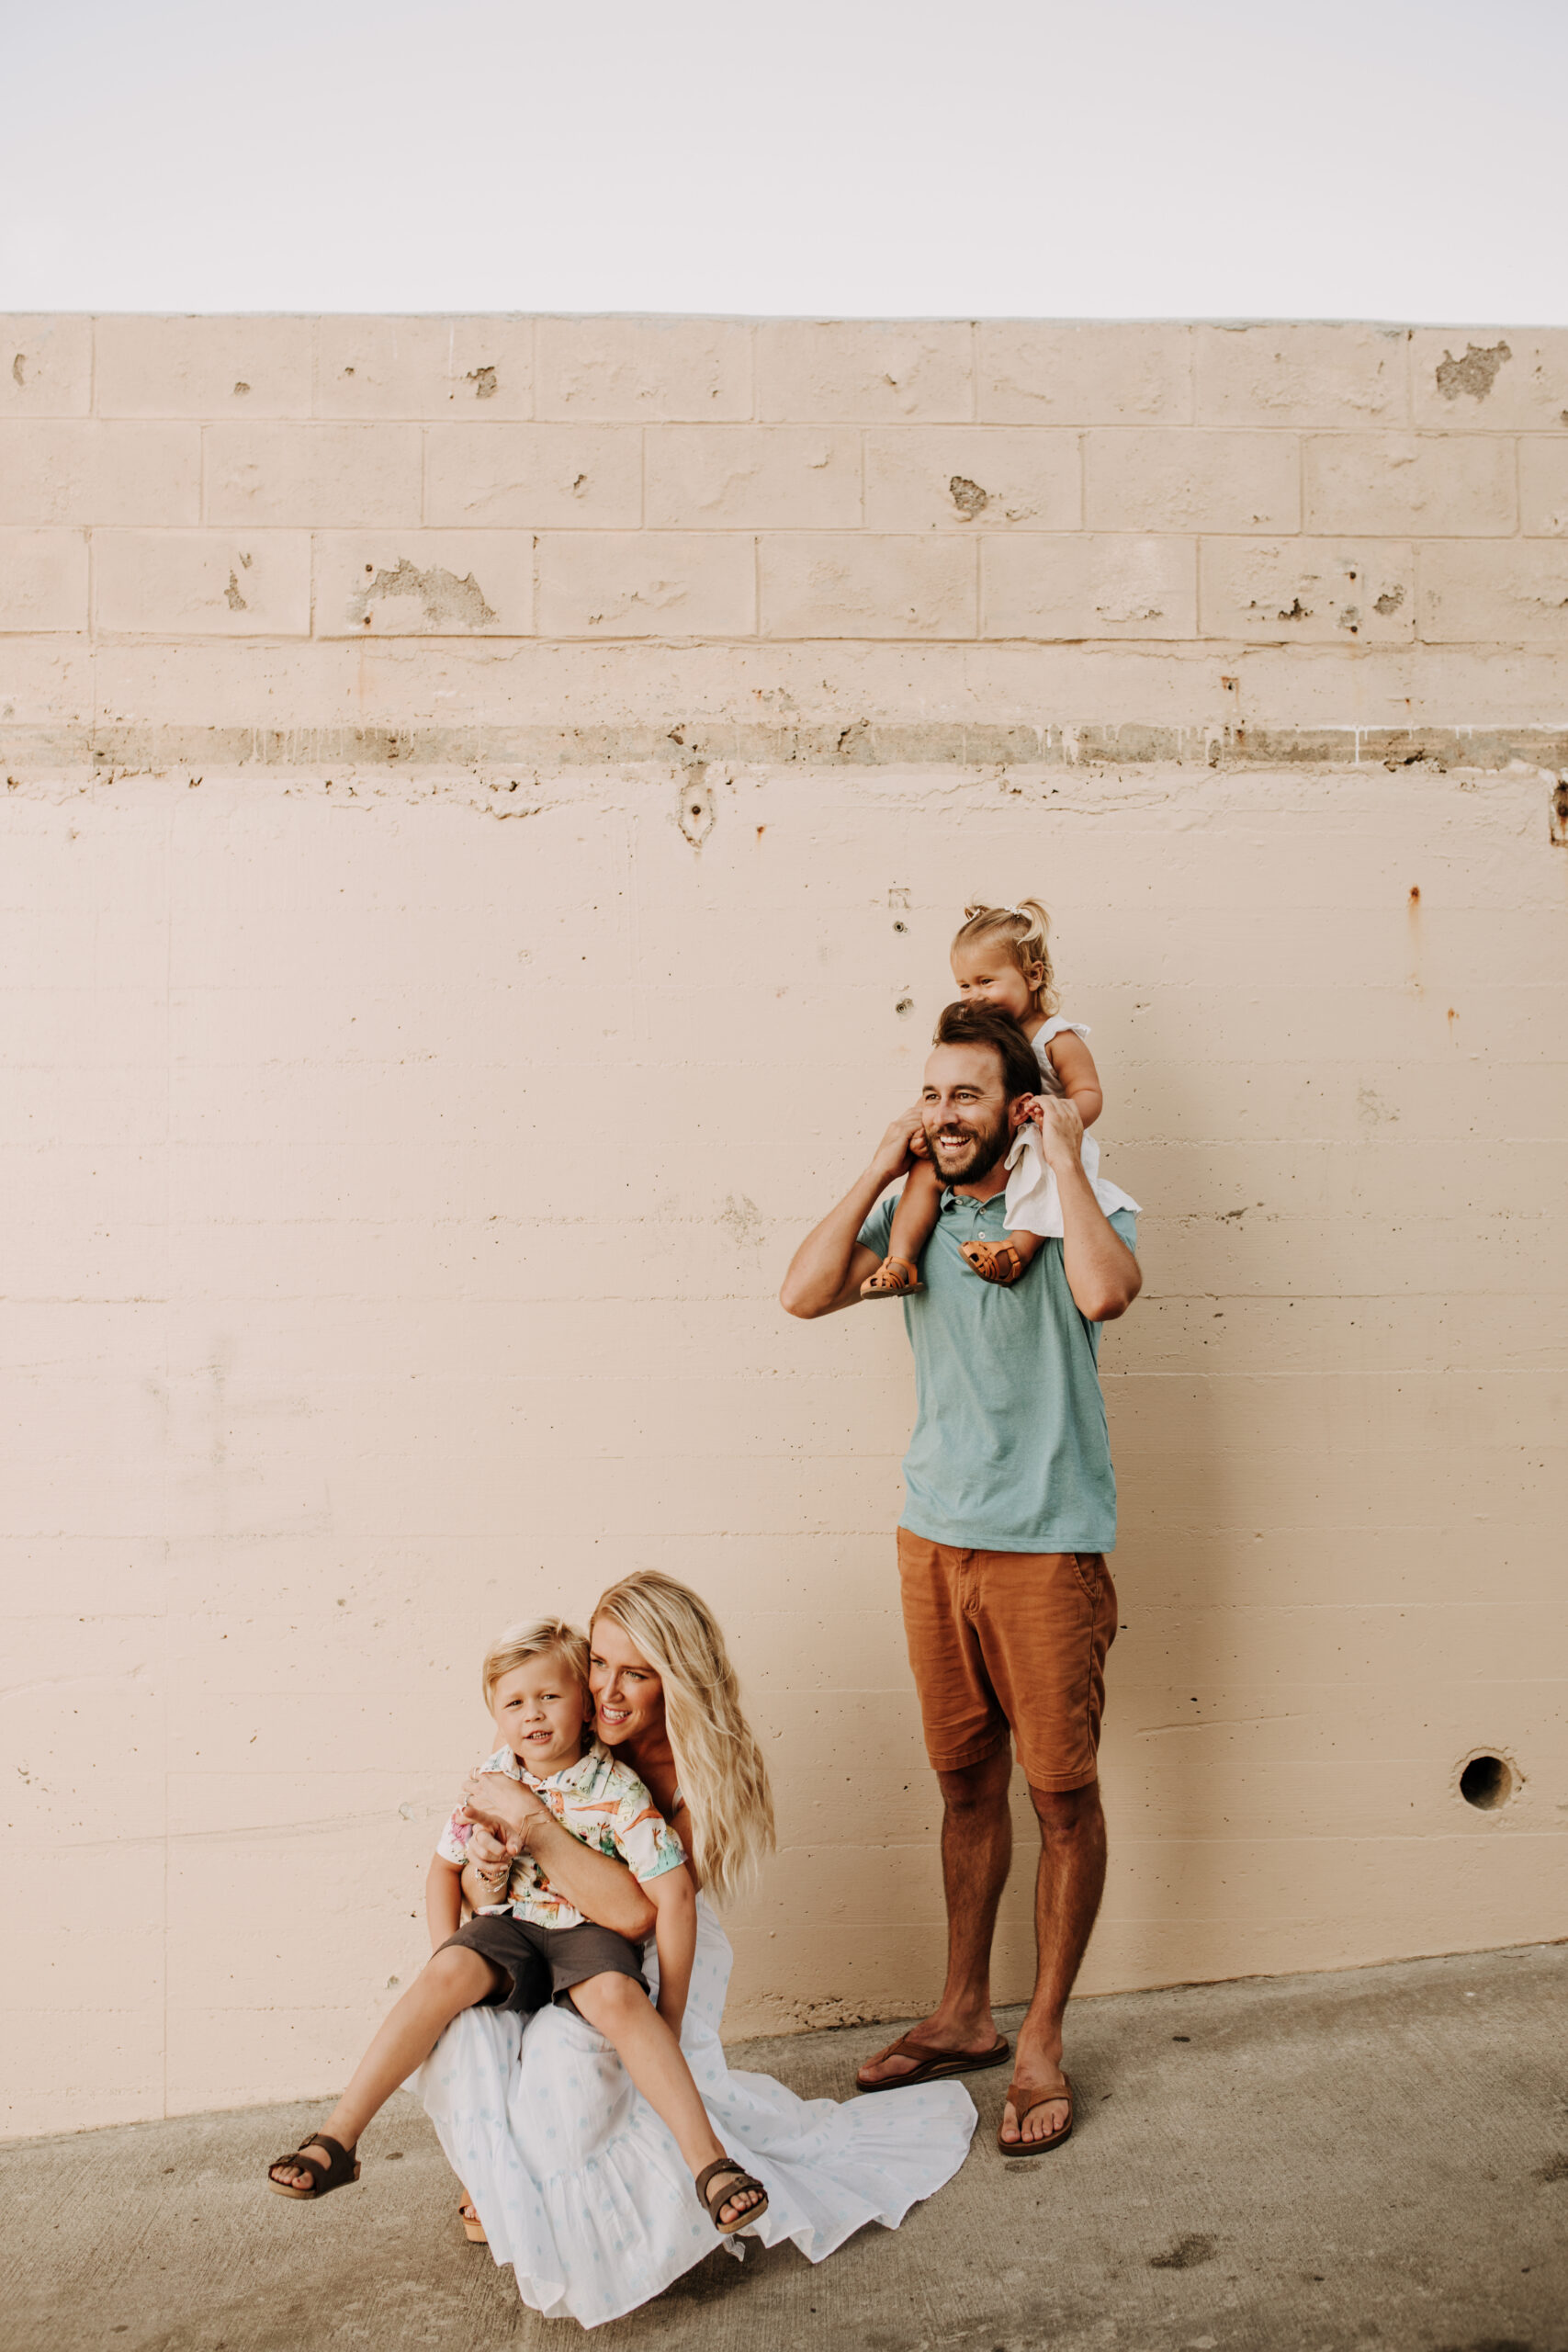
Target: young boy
point(530, 1946)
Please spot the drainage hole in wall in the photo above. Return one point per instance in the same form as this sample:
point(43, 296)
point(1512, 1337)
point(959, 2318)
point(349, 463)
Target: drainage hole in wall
point(1487, 1782)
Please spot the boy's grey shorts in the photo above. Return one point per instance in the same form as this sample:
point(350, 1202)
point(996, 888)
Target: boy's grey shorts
point(544, 1963)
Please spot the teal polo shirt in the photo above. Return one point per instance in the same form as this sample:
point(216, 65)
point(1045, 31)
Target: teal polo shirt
point(1010, 1451)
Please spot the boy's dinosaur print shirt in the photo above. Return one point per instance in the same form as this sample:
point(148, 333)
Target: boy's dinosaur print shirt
point(596, 1799)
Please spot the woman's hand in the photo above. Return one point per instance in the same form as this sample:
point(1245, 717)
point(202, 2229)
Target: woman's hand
point(495, 1802)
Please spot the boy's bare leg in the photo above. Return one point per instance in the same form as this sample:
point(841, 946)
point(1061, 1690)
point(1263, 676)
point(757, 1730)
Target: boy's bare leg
point(1067, 1897)
point(446, 1986)
point(617, 2007)
point(913, 1220)
point(976, 1847)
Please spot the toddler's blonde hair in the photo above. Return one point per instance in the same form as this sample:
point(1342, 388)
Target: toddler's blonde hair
point(535, 1638)
point(717, 1760)
point(1022, 930)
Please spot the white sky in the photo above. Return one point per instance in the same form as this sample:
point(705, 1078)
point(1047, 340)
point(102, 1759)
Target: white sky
point(1400, 159)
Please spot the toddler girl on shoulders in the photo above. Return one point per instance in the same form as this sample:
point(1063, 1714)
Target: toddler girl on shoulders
point(1001, 956)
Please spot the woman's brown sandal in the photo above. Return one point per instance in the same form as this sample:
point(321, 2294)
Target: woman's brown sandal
point(997, 1262)
point(342, 2168)
point(473, 2227)
point(895, 1278)
point(716, 2199)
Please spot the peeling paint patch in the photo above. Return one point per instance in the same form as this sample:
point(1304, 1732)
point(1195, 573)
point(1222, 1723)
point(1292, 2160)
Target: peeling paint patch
point(968, 497)
point(232, 595)
point(18, 369)
point(1389, 602)
point(1297, 612)
point(448, 602)
point(1475, 373)
point(485, 382)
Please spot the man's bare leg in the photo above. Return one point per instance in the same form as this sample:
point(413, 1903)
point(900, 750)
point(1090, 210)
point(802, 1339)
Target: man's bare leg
point(1067, 1898)
point(976, 1847)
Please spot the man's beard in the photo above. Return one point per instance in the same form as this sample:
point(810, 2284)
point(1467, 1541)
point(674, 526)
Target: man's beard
point(972, 1160)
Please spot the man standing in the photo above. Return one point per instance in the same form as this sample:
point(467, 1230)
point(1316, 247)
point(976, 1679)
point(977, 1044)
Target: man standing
point(1009, 1607)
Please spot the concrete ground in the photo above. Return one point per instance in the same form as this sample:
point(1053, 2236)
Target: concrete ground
point(1370, 2162)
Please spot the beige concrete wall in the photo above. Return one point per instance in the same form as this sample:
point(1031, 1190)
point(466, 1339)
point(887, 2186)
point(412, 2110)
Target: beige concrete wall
point(486, 801)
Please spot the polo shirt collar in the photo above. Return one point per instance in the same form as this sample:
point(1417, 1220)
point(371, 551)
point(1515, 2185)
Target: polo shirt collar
point(951, 1197)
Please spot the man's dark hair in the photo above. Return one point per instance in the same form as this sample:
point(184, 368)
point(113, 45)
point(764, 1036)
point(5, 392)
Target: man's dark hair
point(987, 1025)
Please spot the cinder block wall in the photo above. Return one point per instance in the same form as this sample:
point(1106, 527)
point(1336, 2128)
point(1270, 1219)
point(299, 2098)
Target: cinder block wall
point(486, 801)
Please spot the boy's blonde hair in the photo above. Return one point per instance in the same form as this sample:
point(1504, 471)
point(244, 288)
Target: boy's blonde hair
point(535, 1638)
point(1022, 930)
point(719, 1763)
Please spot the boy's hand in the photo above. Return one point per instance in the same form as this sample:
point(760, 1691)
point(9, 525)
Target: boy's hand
point(492, 1858)
point(494, 1801)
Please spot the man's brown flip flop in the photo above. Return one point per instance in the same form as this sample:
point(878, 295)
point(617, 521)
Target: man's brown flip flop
point(1016, 2100)
point(931, 2065)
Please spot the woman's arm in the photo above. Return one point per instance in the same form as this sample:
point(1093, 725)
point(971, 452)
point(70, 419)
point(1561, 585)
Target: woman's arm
point(443, 1901)
point(675, 1902)
point(1074, 1065)
point(680, 1825)
point(598, 1886)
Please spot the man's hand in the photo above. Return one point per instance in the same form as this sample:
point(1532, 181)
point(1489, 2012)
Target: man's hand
point(903, 1143)
point(1061, 1130)
point(827, 1271)
point(495, 1802)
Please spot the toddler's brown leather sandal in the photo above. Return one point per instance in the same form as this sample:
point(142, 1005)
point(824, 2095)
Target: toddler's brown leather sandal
point(994, 1262)
point(895, 1278)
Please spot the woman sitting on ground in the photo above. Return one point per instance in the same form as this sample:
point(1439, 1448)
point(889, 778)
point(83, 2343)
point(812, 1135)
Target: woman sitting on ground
point(572, 2178)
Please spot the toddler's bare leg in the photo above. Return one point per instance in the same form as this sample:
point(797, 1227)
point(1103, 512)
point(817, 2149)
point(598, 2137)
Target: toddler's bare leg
point(617, 2007)
point(449, 1983)
point(913, 1220)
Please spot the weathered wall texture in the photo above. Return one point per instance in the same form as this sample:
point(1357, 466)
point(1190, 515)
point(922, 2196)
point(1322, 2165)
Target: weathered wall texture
point(486, 803)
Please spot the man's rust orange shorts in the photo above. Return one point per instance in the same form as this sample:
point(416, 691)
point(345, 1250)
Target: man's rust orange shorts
point(1010, 1640)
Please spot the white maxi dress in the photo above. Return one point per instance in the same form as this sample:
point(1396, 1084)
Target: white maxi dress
point(582, 2188)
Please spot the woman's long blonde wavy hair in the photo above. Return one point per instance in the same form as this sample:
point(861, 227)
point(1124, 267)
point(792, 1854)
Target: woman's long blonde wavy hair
point(723, 1778)
point(1024, 931)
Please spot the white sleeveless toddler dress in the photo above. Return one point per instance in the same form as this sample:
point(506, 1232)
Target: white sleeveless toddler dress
point(1034, 1204)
